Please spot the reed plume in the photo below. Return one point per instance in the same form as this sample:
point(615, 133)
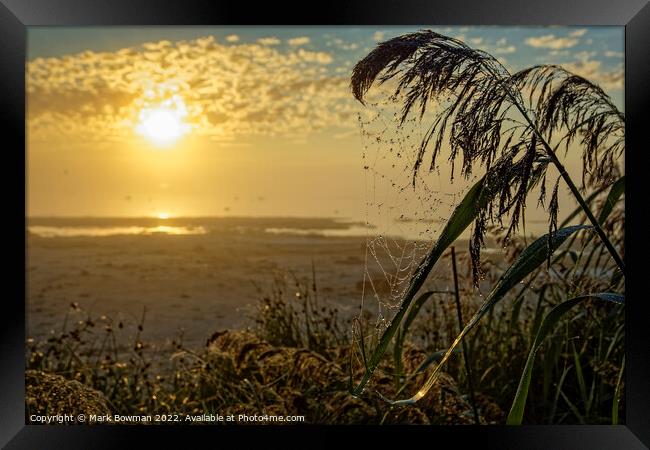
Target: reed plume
point(505, 123)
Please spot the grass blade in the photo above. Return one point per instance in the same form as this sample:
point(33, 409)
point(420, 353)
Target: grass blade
point(582, 385)
point(617, 394)
point(567, 220)
point(517, 410)
point(433, 357)
point(573, 408)
point(618, 188)
point(558, 389)
point(401, 335)
point(529, 260)
point(466, 357)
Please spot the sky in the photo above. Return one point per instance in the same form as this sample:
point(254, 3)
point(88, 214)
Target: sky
point(245, 121)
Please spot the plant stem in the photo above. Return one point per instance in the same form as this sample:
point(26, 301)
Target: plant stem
point(574, 189)
point(581, 201)
point(466, 357)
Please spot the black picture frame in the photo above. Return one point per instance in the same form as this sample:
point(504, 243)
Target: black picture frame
point(17, 15)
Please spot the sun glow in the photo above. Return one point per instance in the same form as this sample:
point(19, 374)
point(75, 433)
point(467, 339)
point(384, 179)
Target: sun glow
point(163, 215)
point(164, 123)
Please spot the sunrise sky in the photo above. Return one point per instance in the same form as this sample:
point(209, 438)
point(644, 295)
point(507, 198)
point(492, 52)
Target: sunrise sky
point(203, 121)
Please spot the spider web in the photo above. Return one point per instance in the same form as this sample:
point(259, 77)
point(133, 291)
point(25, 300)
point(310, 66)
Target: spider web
point(404, 214)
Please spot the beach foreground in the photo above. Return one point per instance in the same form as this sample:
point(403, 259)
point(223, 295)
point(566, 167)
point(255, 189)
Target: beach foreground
point(195, 283)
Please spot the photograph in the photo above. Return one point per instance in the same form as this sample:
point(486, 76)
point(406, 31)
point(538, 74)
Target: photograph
point(397, 222)
point(325, 225)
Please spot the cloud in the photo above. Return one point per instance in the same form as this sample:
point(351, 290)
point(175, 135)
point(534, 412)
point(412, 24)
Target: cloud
point(613, 54)
point(230, 90)
point(319, 57)
point(233, 90)
point(505, 50)
point(343, 45)
point(303, 40)
point(578, 33)
point(592, 70)
point(584, 55)
point(501, 47)
point(378, 36)
point(269, 41)
point(550, 41)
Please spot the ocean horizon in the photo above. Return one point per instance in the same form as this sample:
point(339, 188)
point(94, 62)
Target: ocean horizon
point(102, 226)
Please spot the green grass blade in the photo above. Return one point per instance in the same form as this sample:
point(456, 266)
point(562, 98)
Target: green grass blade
point(590, 398)
point(401, 335)
point(567, 220)
point(582, 385)
point(516, 414)
point(618, 188)
point(413, 312)
point(573, 408)
point(539, 312)
point(434, 357)
point(531, 258)
point(517, 304)
point(617, 394)
point(558, 389)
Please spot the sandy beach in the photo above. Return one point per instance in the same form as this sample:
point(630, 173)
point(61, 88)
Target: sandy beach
point(199, 283)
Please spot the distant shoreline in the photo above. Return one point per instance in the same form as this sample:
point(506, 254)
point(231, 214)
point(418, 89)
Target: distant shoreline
point(98, 226)
point(295, 221)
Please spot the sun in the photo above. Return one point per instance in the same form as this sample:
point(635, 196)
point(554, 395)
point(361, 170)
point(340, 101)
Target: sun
point(163, 124)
